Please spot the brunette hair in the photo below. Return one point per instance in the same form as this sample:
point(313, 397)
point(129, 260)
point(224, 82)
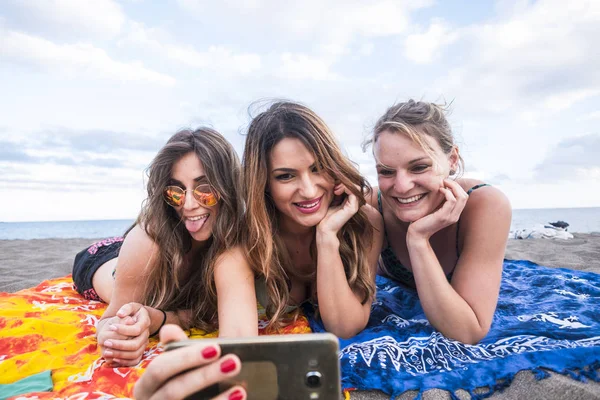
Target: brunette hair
point(171, 282)
point(266, 251)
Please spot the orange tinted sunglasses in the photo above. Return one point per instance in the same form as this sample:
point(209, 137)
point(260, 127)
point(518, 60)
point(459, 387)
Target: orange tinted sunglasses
point(175, 196)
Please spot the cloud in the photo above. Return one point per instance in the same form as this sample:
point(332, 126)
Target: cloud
point(329, 32)
point(92, 148)
point(69, 18)
point(565, 100)
point(81, 58)
point(423, 48)
point(218, 59)
point(540, 56)
point(571, 159)
point(302, 66)
point(590, 116)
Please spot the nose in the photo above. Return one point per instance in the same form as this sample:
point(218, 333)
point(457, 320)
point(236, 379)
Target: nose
point(190, 201)
point(404, 182)
point(308, 186)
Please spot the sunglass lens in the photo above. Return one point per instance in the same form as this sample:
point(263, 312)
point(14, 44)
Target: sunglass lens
point(205, 196)
point(174, 196)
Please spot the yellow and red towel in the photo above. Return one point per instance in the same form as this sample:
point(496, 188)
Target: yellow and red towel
point(51, 327)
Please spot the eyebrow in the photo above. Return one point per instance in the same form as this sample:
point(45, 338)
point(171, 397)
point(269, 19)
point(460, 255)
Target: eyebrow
point(416, 160)
point(313, 165)
point(199, 179)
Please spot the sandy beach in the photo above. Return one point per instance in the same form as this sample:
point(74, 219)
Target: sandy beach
point(25, 263)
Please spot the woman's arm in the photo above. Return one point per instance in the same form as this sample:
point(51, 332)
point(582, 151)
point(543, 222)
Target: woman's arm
point(123, 329)
point(340, 308)
point(236, 296)
point(464, 309)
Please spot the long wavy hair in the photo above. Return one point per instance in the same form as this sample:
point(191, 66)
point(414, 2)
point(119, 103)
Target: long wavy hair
point(172, 282)
point(265, 249)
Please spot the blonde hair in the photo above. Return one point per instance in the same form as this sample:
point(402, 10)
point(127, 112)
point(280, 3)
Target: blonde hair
point(413, 119)
point(266, 251)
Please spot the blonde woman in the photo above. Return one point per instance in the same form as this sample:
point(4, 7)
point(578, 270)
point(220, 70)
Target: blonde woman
point(311, 237)
point(181, 262)
point(445, 235)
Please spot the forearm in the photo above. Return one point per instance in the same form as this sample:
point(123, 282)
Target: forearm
point(339, 307)
point(445, 309)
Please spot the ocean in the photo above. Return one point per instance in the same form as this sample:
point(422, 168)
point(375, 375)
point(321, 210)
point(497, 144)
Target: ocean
point(582, 220)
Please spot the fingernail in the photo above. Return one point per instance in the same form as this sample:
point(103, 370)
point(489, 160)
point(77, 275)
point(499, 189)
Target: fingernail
point(108, 353)
point(209, 352)
point(108, 343)
point(227, 366)
point(236, 395)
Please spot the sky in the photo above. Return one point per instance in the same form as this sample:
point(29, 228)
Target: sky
point(90, 90)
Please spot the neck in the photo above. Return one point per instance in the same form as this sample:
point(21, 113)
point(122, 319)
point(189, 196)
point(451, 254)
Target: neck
point(200, 245)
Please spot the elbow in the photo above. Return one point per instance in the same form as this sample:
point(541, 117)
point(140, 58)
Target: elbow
point(345, 331)
point(472, 337)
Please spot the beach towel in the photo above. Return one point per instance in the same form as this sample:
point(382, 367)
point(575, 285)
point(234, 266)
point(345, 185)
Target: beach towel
point(546, 319)
point(51, 327)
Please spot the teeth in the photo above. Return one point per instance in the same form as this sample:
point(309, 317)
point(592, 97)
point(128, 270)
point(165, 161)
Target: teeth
point(198, 218)
point(410, 199)
point(308, 205)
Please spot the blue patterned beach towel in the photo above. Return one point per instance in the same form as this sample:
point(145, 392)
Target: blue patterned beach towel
point(546, 318)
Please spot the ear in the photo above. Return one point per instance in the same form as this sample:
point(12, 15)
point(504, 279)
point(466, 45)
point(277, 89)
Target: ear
point(454, 159)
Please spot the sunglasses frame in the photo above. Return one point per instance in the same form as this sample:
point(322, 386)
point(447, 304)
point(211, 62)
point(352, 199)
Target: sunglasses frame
point(184, 193)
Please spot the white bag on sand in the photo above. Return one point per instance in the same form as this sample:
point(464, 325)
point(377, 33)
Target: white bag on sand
point(540, 232)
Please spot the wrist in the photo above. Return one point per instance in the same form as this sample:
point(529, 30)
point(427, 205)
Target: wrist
point(158, 319)
point(325, 238)
point(414, 240)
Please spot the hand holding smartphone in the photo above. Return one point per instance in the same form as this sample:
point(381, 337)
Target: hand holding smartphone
point(278, 367)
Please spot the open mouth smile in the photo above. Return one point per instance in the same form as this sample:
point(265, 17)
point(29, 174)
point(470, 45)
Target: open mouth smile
point(410, 200)
point(309, 206)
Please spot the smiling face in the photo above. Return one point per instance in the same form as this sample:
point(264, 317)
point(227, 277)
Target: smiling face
point(409, 178)
point(298, 190)
point(188, 173)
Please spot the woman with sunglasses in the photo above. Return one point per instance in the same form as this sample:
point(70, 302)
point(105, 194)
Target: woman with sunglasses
point(310, 234)
point(180, 262)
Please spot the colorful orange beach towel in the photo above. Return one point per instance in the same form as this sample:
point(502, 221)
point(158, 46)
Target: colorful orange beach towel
point(51, 327)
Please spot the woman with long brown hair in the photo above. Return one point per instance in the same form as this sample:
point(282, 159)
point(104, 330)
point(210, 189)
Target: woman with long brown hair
point(311, 236)
point(181, 262)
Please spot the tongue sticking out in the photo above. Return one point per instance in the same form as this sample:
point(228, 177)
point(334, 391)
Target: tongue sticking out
point(195, 226)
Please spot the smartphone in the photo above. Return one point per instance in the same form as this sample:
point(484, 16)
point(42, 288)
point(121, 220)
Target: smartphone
point(279, 367)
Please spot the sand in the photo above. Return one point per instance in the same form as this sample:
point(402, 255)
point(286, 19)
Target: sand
point(25, 263)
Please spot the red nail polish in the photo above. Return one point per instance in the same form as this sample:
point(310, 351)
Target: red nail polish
point(209, 352)
point(236, 395)
point(227, 366)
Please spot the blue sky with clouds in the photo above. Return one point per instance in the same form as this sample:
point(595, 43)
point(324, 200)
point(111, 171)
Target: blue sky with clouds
point(92, 89)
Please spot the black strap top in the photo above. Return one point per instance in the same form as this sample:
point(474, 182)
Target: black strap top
point(394, 267)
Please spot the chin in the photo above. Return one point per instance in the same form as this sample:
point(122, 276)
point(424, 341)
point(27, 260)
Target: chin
point(202, 235)
point(310, 220)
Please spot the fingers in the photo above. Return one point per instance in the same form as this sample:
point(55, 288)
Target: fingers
point(164, 379)
point(234, 393)
point(199, 378)
point(138, 328)
point(125, 350)
point(171, 333)
point(128, 309)
point(459, 196)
